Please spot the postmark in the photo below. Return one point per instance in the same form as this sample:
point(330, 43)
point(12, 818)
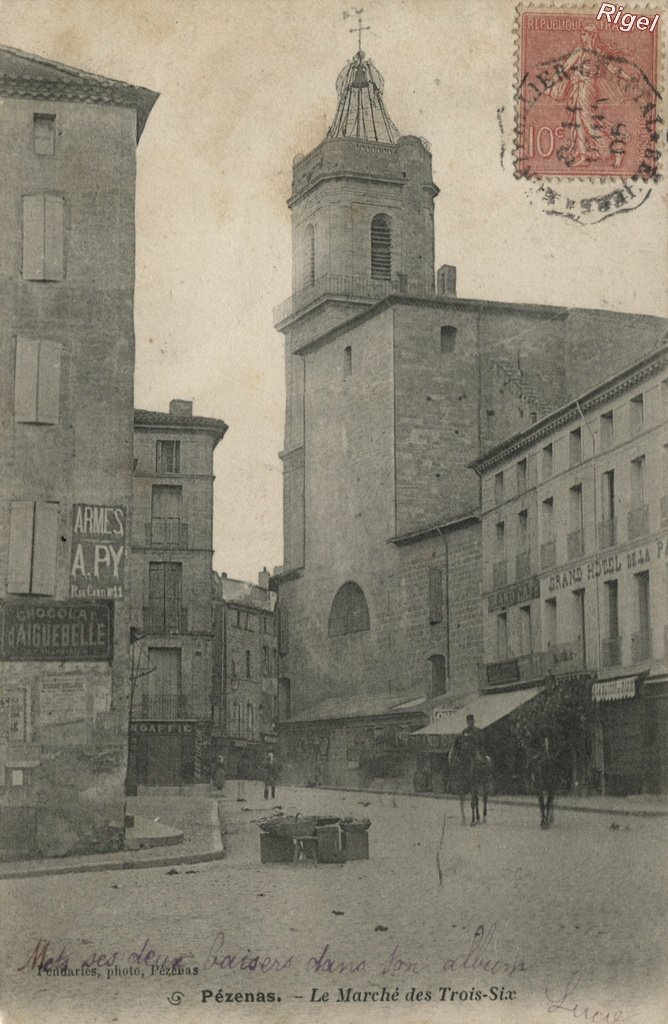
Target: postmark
point(587, 94)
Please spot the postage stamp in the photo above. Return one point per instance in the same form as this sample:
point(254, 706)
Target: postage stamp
point(587, 97)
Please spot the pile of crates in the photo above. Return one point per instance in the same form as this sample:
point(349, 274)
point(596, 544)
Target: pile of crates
point(288, 840)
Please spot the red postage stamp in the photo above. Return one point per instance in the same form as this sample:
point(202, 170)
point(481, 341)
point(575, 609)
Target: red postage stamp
point(587, 93)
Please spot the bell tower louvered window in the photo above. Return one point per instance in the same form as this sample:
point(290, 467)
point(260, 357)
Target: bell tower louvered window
point(381, 247)
point(309, 256)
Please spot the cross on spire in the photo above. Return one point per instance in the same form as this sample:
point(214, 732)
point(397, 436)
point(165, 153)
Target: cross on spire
point(359, 11)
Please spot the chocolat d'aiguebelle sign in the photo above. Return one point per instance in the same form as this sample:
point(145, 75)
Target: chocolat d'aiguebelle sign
point(38, 630)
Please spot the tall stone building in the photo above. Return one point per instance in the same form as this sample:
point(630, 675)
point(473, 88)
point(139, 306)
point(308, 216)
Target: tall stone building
point(393, 385)
point(67, 269)
point(172, 548)
point(246, 678)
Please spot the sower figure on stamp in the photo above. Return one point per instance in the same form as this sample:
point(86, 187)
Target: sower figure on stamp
point(584, 82)
point(270, 775)
point(472, 766)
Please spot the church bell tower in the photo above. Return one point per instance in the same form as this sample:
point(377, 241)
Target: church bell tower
point(362, 208)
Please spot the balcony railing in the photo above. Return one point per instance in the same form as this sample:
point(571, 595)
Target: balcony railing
point(165, 618)
point(611, 651)
point(575, 544)
point(664, 509)
point(558, 660)
point(522, 564)
point(334, 284)
point(500, 573)
point(607, 533)
point(638, 522)
point(641, 646)
point(166, 533)
point(547, 554)
point(167, 706)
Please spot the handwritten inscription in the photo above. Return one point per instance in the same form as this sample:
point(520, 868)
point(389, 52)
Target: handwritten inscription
point(145, 959)
point(576, 1008)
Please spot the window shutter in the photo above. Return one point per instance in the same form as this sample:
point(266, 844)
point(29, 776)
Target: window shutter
point(33, 238)
point(44, 548)
point(435, 595)
point(283, 629)
point(48, 384)
point(25, 380)
point(54, 238)
point(20, 547)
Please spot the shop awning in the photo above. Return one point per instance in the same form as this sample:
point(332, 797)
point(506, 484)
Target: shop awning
point(614, 689)
point(449, 720)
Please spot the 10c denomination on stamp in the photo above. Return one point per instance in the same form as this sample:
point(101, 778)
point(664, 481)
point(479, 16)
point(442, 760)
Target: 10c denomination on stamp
point(587, 93)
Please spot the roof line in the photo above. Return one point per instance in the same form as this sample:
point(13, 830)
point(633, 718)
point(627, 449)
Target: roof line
point(424, 531)
point(622, 380)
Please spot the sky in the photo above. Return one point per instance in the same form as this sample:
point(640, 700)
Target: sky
point(244, 86)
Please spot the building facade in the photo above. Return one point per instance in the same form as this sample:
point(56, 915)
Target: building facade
point(393, 382)
point(246, 684)
point(67, 246)
point(575, 580)
point(172, 607)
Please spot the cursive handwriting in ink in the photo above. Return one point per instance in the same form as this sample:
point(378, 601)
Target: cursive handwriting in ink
point(329, 966)
point(396, 965)
point(567, 1004)
point(247, 961)
point(477, 957)
point(39, 959)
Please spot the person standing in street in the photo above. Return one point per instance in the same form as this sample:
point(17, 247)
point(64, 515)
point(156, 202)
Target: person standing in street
point(270, 775)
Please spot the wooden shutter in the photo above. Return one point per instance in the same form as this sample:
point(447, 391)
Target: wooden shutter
point(44, 548)
point(48, 382)
point(20, 547)
point(33, 238)
point(283, 629)
point(173, 596)
point(25, 380)
point(54, 238)
point(435, 595)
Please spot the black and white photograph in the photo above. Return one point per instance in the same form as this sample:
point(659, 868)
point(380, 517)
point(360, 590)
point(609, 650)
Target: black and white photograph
point(333, 512)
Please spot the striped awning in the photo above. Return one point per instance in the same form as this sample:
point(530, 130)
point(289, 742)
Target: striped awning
point(614, 689)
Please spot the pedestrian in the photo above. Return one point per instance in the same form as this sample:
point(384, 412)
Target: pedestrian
point(270, 775)
point(218, 779)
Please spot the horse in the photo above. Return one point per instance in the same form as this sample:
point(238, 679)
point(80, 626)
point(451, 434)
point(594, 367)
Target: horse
point(544, 778)
point(473, 776)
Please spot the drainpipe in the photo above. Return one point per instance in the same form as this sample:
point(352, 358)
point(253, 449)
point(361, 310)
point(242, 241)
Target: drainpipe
point(446, 601)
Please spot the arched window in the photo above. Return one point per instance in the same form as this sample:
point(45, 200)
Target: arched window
point(236, 719)
point(448, 338)
point(438, 681)
point(350, 612)
point(309, 255)
point(248, 664)
point(250, 720)
point(381, 247)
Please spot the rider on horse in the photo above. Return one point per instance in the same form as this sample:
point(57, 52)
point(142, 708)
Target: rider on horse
point(469, 755)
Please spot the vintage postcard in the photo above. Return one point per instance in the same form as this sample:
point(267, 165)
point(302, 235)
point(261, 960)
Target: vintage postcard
point(333, 512)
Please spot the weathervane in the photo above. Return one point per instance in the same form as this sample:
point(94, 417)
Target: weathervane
point(359, 11)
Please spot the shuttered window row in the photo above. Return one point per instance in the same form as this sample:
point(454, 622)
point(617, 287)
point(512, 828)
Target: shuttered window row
point(43, 238)
point(37, 381)
point(33, 537)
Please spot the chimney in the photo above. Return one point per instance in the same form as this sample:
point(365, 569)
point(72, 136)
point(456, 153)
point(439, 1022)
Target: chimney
point(446, 281)
point(179, 407)
point(263, 579)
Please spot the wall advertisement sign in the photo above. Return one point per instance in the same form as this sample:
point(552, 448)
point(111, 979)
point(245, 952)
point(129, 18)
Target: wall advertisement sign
point(98, 551)
point(34, 630)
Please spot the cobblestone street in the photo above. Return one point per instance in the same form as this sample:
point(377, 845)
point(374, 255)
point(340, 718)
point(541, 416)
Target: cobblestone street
point(546, 907)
